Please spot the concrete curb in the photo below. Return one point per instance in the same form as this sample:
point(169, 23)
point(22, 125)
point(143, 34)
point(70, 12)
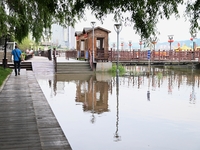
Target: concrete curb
point(2, 86)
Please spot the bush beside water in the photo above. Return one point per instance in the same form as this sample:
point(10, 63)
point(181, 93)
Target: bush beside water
point(113, 70)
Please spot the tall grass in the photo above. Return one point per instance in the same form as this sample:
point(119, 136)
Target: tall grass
point(113, 70)
point(3, 74)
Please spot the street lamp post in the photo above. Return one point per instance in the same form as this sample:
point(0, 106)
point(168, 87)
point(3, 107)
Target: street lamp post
point(130, 44)
point(93, 25)
point(193, 36)
point(140, 43)
point(113, 46)
point(170, 40)
point(154, 41)
point(118, 28)
point(122, 45)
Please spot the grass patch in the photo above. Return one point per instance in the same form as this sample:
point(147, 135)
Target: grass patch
point(113, 70)
point(3, 74)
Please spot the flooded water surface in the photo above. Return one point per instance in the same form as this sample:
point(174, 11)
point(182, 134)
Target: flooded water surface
point(160, 111)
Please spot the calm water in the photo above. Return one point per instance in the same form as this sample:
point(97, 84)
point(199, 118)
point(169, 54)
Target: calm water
point(156, 112)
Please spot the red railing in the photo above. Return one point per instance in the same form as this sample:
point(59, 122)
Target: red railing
point(138, 55)
point(170, 55)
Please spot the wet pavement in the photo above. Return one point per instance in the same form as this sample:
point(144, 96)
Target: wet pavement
point(27, 121)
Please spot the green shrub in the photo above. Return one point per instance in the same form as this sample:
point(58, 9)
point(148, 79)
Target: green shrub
point(3, 74)
point(113, 70)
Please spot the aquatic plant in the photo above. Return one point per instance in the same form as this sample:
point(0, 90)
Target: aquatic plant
point(113, 70)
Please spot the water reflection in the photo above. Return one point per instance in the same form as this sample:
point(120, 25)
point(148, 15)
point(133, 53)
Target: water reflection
point(93, 93)
point(131, 109)
point(117, 137)
point(193, 94)
point(157, 76)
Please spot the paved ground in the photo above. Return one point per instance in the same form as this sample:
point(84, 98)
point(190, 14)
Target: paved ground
point(26, 119)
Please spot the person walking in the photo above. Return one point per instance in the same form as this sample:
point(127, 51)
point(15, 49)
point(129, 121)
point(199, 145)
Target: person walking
point(17, 59)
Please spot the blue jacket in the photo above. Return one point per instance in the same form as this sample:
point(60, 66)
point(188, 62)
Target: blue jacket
point(16, 54)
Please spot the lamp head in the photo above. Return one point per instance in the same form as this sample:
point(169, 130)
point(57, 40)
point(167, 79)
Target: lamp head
point(118, 27)
point(93, 23)
point(170, 37)
point(194, 35)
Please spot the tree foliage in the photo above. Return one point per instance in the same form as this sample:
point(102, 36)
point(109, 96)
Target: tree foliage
point(25, 44)
point(19, 17)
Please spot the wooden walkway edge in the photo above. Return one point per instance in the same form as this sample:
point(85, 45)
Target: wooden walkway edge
point(26, 119)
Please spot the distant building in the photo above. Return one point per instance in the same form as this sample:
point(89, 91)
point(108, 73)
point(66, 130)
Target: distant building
point(63, 37)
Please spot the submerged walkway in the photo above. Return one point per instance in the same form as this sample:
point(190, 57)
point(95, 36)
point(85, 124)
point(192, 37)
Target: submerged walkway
point(26, 119)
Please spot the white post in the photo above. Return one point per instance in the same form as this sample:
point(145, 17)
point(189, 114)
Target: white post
point(93, 24)
point(117, 28)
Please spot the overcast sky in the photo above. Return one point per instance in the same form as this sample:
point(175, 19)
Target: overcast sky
point(179, 28)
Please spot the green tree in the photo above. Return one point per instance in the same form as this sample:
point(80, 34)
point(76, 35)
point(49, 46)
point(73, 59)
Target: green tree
point(25, 44)
point(19, 17)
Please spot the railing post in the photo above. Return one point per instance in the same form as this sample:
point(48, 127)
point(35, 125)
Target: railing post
point(199, 55)
point(55, 63)
point(111, 55)
point(138, 54)
point(153, 55)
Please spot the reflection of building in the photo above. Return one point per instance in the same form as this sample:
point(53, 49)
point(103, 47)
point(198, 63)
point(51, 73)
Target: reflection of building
point(94, 95)
point(91, 93)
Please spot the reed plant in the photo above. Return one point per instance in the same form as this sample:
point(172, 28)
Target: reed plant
point(113, 70)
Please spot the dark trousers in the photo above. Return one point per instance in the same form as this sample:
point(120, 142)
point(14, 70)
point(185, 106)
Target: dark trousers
point(17, 66)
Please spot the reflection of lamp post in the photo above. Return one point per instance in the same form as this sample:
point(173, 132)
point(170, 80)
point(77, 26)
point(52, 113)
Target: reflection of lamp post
point(93, 117)
point(118, 28)
point(193, 36)
point(170, 40)
point(116, 136)
point(93, 24)
point(193, 94)
point(148, 91)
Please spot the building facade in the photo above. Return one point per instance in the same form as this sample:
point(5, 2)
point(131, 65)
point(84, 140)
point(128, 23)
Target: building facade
point(63, 37)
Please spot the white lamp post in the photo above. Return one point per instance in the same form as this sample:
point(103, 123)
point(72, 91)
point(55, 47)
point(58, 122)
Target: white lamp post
point(93, 25)
point(193, 36)
point(154, 41)
point(118, 28)
point(170, 40)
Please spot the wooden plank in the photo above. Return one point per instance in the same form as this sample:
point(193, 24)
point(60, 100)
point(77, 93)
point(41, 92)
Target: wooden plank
point(27, 121)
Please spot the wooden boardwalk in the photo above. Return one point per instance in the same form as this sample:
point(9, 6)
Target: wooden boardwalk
point(26, 119)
